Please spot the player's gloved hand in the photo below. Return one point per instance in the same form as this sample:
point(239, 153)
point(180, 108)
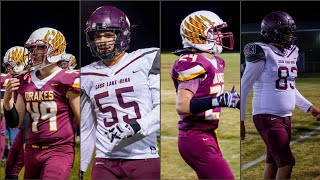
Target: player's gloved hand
point(119, 131)
point(227, 99)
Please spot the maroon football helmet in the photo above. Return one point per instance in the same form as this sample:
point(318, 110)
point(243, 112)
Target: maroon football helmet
point(279, 27)
point(108, 19)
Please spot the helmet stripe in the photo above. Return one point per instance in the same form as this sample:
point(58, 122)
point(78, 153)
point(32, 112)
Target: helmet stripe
point(196, 24)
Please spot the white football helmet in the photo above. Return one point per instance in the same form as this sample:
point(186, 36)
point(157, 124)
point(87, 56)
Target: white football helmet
point(202, 30)
point(71, 59)
point(16, 57)
point(54, 43)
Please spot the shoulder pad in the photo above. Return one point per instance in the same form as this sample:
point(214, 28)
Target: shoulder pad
point(72, 79)
point(253, 52)
point(190, 66)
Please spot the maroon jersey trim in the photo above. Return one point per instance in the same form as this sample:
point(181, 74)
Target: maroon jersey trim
point(149, 52)
point(93, 74)
point(128, 64)
point(292, 51)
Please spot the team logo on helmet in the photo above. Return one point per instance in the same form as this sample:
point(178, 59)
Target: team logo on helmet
point(202, 30)
point(53, 42)
point(16, 57)
point(195, 29)
point(57, 41)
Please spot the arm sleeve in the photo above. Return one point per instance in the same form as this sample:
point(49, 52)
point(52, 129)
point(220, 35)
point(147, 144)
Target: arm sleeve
point(151, 122)
point(302, 102)
point(251, 73)
point(87, 132)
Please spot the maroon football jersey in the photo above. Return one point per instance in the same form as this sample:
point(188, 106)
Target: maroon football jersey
point(211, 72)
point(46, 101)
point(4, 81)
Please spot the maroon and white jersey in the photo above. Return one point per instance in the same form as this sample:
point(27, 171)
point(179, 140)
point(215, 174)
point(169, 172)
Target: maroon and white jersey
point(126, 91)
point(272, 74)
point(211, 72)
point(49, 108)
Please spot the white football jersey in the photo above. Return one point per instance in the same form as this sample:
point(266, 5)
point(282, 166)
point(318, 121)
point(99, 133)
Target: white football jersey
point(120, 93)
point(274, 89)
point(272, 74)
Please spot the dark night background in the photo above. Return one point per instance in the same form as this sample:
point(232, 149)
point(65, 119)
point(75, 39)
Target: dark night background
point(172, 14)
point(19, 19)
point(144, 14)
point(254, 11)
point(306, 18)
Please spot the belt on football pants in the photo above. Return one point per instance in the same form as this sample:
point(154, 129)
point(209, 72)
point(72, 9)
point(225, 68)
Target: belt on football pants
point(39, 147)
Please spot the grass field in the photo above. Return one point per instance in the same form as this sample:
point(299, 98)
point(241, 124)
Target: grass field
point(73, 174)
point(306, 152)
point(172, 165)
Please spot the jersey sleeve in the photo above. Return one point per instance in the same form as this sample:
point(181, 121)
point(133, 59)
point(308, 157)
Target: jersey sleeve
point(71, 80)
point(150, 123)
point(87, 132)
point(189, 66)
point(251, 73)
point(302, 102)
point(191, 85)
point(253, 52)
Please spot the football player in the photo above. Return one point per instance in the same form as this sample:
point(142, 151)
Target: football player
point(51, 96)
point(198, 77)
point(13, 61)
point(68, 61)
point(120, 105)
point(271, 68)
point(16, 58)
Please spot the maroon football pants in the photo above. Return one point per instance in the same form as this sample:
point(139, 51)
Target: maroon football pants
point(104, 168)
point(276, 134)
point(48, 163)
point(201, 152)
point(15, 160)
